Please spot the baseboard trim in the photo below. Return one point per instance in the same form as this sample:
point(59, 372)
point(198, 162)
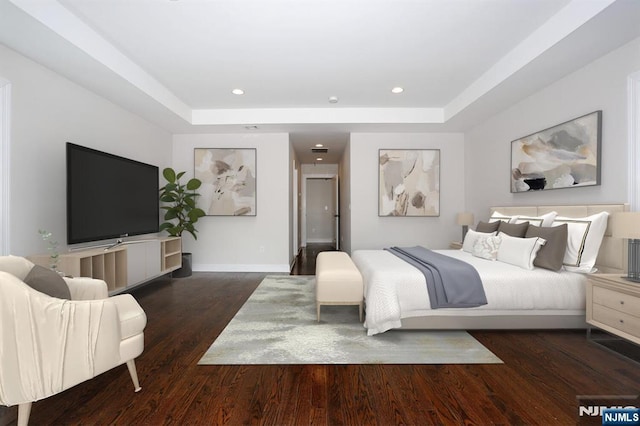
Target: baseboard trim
point(241, 268)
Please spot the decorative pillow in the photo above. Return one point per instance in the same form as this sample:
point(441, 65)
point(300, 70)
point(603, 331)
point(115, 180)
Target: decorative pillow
point(471, 237)
point(48, 282)
point(544, 220)
point(551, 254)
point(487, 227)
point(583, 240)
point(514, 229)
point(519, 251)
point(499, 217)
point(486, 247)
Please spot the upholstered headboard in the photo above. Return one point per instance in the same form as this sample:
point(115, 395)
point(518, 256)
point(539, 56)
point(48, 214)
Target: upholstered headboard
point(612, 257)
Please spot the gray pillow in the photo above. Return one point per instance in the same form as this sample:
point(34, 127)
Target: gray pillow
point(48, 282)
point(488, 227)
point(551, 255)
point(514, 229)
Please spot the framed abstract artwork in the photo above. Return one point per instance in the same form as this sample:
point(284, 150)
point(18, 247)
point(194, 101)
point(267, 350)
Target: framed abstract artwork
point(228, 178)
point(562, 156)
point(409, 182)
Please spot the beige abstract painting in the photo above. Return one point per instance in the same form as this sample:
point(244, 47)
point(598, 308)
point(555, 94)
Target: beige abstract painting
point(409, 182)
point(228, 178)
point(562, 156)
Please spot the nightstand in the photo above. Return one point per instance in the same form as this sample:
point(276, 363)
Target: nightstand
point(455, 245)
point(613, 305)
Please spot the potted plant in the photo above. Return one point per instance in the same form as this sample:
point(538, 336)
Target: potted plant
point(181, 211)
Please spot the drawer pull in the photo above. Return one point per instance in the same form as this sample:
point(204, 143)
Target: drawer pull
point(622, 302)
point(621, 321)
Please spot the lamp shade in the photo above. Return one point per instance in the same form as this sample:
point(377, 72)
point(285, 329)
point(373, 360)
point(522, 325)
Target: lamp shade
point(464, 219)
point(625, 225)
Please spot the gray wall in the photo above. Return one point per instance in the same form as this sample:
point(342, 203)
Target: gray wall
point(244, 243)
point(368, 230)
point(48, 110)
point(345, 199)
point(601, 85)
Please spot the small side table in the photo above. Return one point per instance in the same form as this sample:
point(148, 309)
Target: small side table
point(613, 305)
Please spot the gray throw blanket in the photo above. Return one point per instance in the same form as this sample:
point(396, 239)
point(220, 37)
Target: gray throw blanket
point(451, 283)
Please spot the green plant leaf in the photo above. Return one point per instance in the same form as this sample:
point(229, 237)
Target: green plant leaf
point(169, 174)
point(180, 204)
point(170, 214)
point(193, 184)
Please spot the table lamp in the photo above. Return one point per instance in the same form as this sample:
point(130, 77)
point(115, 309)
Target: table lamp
point(464, 219)
point(627, 225)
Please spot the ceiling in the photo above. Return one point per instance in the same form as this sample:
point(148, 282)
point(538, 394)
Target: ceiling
point(176, 62)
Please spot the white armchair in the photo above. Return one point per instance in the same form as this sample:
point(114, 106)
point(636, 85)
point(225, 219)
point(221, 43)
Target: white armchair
point(49, 344)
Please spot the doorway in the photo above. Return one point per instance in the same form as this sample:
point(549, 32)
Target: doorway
point(320, 210)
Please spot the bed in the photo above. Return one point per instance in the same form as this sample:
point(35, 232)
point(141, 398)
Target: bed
point(396, 295)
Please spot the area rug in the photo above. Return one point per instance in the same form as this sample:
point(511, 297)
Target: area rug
point(278, 325)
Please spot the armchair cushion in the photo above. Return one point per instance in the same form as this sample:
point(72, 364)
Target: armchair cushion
point(48, 282)
point(85, 288)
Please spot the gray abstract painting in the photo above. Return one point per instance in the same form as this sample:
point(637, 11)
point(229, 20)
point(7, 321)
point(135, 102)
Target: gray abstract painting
point(228, 178)
point(409, 182)
point(563, 156)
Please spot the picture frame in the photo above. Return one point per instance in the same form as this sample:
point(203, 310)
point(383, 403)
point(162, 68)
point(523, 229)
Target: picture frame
point(567, 155)
point(228, 178)
point(409, 182)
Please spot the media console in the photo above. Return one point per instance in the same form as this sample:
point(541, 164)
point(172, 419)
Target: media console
point(124, 266)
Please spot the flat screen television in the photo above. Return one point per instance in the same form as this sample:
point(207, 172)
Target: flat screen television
point(109, 196)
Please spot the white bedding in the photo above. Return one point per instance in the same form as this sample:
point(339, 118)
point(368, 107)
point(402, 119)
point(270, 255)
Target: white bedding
point(394, 289)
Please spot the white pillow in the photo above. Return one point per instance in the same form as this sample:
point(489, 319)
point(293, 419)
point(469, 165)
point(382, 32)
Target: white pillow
point(583, 240)
point(471, 237)
point(543, 220)
point(519, 251)
point(486, 247)
point(496, 216)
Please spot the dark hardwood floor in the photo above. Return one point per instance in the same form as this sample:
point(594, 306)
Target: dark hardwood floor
point(543, 374)
point(305, 263)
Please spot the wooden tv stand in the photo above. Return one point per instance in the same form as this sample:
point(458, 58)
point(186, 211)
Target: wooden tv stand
point(124, 266)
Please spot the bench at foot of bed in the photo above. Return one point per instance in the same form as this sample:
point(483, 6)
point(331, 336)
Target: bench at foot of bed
point(338, 281)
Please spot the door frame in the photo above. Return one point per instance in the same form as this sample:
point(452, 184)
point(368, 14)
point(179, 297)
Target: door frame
point(303, 207)
point(5, 165)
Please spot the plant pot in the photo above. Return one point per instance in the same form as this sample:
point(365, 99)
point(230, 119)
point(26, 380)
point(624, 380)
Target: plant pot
point(185, 270)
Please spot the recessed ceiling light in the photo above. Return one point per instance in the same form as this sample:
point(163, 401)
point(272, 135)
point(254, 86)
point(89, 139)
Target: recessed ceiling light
point(333, 99)
point(237, 92)
point(253, 127)
point(397, 90)
point(319, 145)
point(319, 159)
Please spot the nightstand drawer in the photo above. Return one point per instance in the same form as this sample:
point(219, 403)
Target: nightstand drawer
point(616, 300)
point(616, 319)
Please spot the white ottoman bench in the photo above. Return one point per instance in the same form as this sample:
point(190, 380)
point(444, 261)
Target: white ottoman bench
point(338, 281)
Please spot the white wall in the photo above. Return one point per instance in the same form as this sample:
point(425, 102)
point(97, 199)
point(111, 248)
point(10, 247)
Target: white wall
point(244, 243)
point(601, 85)
point(345, 199)
point(47, 111)
point(368, 230)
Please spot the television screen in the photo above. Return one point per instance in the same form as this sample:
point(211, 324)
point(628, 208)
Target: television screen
point(109, 196)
